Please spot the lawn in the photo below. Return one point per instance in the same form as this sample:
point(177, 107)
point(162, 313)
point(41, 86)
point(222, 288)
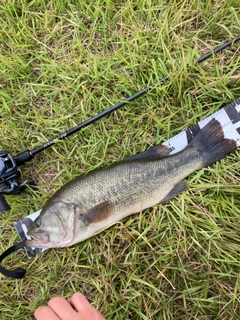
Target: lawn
point(62, 62)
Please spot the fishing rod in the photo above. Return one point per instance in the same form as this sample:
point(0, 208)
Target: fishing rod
point(9, 165)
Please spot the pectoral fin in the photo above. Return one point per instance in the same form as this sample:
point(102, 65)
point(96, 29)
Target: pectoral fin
point(97, 214)
point(178, 188)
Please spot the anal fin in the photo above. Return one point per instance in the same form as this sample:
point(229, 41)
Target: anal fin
point(178, 188)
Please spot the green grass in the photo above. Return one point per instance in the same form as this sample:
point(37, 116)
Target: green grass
point(62, 62)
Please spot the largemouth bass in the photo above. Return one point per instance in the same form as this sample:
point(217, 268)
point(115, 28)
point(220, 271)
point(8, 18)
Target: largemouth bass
point(91, 203)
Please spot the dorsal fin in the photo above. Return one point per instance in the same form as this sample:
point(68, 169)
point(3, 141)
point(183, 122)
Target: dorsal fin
point(154, 153)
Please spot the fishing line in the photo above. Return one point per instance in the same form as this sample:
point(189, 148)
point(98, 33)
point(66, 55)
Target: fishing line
point(12, 163)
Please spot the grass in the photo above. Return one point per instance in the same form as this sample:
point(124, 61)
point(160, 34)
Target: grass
point(62, 62)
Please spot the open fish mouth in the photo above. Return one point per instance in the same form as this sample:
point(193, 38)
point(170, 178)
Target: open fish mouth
point(38, 240)
point(41, 239)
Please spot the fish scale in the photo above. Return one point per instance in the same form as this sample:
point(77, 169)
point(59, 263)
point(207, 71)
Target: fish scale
point(131, 174)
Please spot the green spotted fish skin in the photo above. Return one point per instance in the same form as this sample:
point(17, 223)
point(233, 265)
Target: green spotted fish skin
point(91, 203)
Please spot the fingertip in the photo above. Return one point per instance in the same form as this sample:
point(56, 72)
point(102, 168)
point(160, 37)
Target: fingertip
point(62, 308)
point(78, 296)
point(39, 311)
point(42, 312)
point(55, 302)
point(80, 303)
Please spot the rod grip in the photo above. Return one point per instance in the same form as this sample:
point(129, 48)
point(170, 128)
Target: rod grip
point(23, 157)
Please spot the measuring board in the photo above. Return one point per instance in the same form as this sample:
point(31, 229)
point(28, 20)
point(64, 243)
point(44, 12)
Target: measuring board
point(229, 117)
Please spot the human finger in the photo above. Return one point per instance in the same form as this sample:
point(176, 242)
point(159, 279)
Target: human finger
point(84, 308)
point(43, 313)
point(62, 309)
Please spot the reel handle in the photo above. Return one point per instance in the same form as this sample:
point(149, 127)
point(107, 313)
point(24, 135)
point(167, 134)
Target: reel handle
point(4, 206)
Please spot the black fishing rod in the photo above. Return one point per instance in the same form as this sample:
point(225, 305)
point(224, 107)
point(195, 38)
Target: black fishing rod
point(9, 165)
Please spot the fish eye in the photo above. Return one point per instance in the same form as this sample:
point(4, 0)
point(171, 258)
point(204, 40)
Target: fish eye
point(38, 222)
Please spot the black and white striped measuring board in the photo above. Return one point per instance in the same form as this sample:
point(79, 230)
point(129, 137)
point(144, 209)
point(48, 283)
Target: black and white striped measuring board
point(229, 117)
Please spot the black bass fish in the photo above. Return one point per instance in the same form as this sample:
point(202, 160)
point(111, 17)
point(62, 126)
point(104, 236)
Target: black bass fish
point(91, 203)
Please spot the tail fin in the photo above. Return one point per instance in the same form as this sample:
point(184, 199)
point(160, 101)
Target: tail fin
point(211, 143)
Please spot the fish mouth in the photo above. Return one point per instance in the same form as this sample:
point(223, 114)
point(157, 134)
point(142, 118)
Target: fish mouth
point(42, 240)
point(38, 240)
